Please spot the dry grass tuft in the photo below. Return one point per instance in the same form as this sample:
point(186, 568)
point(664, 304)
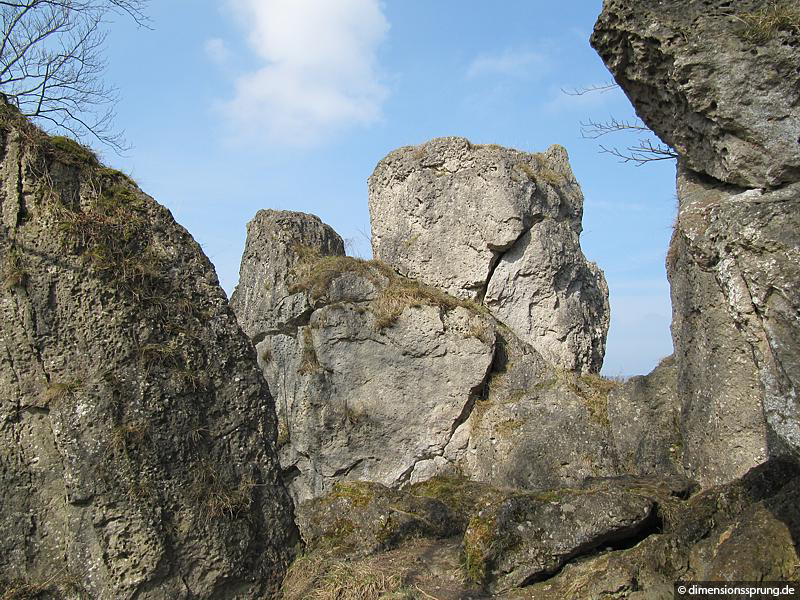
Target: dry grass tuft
point(309, 362)
point(59, 391)
point(762, 25)
point(219, 492)
point(61, 584)
point(594, 390)
point(314, 273)
point(13, 272)
point(322, 578)
point(402, 293)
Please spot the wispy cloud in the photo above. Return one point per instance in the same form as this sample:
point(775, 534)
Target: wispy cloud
point(318, 68)
point(217, 50)
point(508, 63)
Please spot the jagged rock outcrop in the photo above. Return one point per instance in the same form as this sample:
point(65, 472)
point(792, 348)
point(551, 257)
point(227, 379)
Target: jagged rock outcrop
point(714, 79)
point(377, 374)
point(501, 227)
point(384, 379)
point(271, 307)
point(137, 453)
point(719, 82)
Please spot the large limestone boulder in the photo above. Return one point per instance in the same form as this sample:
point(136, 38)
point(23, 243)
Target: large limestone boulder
point(716, 80)
point(372, 382)
point(500, 227)
point(378, 377)
point(137, 436)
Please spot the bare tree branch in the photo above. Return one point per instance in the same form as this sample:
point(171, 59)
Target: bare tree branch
point(594, 87)
point(52, 63)
point(645, 151)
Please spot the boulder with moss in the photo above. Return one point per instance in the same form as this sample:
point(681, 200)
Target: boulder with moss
point(497, 226)
point(137, 455)
point(627, 537)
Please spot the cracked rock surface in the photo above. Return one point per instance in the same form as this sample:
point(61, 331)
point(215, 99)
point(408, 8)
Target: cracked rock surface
point(137, 454)
point(357, 397)
point(378, 377)
point(725, 93)
point(501, 227)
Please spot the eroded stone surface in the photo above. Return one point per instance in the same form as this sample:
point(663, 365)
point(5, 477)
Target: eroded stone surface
point(499, 226)
point(137, 455)
point(728, 105)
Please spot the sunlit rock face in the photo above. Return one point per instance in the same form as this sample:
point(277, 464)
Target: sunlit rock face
point(500, 227)
point(137, 455)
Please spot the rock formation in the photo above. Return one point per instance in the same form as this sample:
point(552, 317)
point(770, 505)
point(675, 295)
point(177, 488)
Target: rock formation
point(372, 372)
point(500, 227)
point(378, 377)
point(715, 80)
point(628, 537)
point(136, 433)
point(719, 82)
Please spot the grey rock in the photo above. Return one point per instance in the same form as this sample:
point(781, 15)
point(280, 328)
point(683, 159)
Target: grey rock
point(535, 427)
point(360, 518)
point(391, 381)
point(644, 414)
point(735, 268)
point(525, 538)
point(271, 307)
point(729, 106)
point(136, 433)
point(500, 226)
point(740, 531)
point(373, 381)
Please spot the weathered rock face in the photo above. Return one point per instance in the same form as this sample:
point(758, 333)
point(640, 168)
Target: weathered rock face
point(136, 434)
point(535, 427)
point(644, 415)
point(499, 226)
point(528, 537)
point(384, 379)
point(720, 84)
point(374, 378)
point(715, 85)
point(270, 308)
point(737, 249)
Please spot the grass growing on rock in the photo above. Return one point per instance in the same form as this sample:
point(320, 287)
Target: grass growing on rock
point(593, 390)
point(60, 585)
point(777, 15)
point(218, 492)
point(319, 577)
point(13, 273)
point(314, 274)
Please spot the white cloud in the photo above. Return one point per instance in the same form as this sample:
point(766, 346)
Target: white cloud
point(319, 68)
point(515, 63)
point(217, 50)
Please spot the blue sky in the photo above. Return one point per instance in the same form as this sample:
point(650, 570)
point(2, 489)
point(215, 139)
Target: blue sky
point(237, 105)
